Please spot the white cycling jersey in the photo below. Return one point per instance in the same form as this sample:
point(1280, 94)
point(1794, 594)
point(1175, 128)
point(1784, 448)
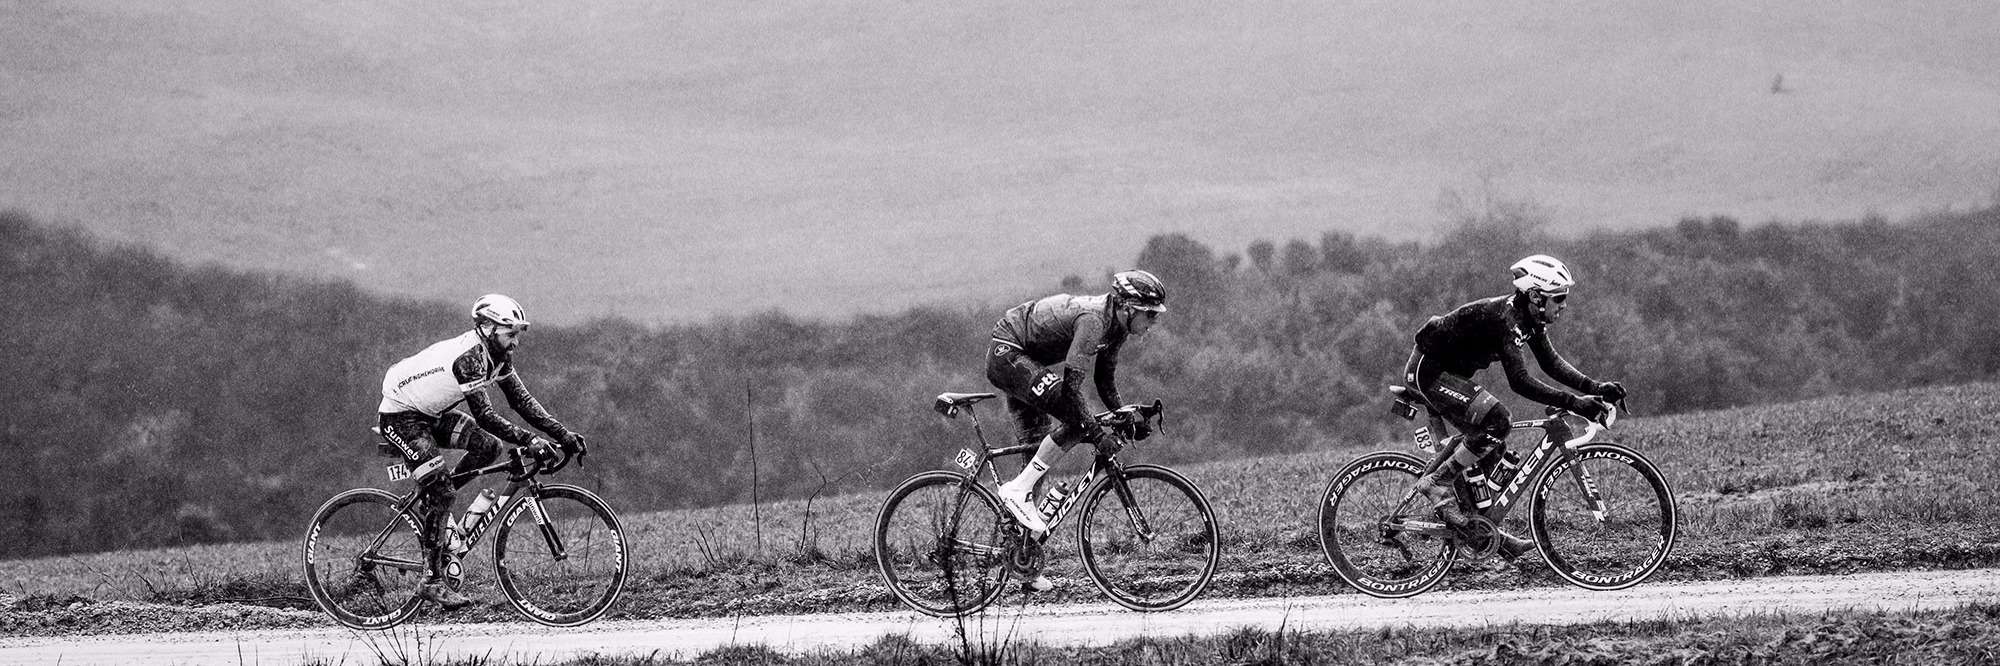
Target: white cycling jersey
point(424, 382)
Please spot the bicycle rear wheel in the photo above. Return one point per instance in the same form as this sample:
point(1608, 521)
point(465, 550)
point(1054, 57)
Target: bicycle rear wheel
point(566, 564)
point(1152, 545)
point(1377, 537)
point(1609, 545)
point(363, 562)
point(940, 544)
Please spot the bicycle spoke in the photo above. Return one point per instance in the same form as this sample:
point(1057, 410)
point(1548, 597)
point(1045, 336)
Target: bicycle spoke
point(1153, 547)
point(1377, 539)
point(567, 571)
point(1615, 539)
point(363, 560)
point(941, 549)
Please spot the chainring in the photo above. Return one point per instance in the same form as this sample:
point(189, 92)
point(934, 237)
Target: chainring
point(1026, 557)
point(1475, 539)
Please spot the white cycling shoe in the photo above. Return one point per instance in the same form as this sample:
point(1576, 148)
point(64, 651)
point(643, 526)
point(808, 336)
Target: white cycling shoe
point(1018, 503)
point(1039, 583)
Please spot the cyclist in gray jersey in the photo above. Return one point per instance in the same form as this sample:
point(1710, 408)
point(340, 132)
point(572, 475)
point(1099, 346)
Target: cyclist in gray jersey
point(419, 414)
point(1044, 351)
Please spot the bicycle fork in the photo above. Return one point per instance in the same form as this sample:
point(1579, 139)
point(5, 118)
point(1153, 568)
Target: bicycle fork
point(1588, 485)
point(1137, 516)
point(542, 523)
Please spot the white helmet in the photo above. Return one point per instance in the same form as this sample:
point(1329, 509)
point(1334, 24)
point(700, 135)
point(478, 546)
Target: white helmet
point(501, 310)
point(1542, 273)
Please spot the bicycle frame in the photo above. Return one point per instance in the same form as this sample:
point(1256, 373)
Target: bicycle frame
point(1546, 454)
point(1107, 464)
point(516, 484)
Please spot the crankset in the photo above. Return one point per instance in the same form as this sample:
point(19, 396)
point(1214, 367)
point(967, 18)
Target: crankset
point(1476, 538)
point(1026, 558)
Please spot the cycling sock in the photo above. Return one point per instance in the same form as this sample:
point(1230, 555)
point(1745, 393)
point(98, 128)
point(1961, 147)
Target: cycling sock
point(1045, 456)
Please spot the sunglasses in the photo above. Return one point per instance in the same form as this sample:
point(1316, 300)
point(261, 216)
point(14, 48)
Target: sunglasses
point(1556, 298)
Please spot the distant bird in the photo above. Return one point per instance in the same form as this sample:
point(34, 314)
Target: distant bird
point(1778, 85)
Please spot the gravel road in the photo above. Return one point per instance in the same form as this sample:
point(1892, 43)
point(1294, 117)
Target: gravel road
point(1084, 624)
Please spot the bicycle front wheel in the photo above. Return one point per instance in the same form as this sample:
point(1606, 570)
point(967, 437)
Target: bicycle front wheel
point(1151, 542)
point(363, 562)
point(1378, 537)
point(565, 565)
point(941, 546)
point(1604, 518)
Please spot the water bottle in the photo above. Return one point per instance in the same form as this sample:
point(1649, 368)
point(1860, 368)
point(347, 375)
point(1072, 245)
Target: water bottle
point(1053, 501)
point(457, 542)
point(475, 515)
point(1504, 470)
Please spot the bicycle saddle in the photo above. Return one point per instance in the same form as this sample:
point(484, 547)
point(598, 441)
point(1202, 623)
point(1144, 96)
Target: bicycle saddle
point(948, 403)
point(1407, 401)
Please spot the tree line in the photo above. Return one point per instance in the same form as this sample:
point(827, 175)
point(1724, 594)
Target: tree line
point(150, 402)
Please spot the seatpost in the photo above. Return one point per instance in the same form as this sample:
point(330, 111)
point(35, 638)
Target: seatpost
point(976, 430)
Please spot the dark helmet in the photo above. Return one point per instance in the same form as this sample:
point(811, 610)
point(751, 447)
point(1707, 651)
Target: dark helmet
point(1140, 289)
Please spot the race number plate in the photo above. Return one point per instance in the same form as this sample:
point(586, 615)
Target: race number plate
point(398, 472)
point(1423, 435)
point(966, 459)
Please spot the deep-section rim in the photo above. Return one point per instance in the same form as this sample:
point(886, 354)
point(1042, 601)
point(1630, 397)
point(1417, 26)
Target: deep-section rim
point(1378, 461)
point(510, 514)
point(316, 587)
point(1559, 473)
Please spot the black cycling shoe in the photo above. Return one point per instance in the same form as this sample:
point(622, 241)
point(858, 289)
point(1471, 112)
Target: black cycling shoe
point(1512, 547)
point(1438, 487)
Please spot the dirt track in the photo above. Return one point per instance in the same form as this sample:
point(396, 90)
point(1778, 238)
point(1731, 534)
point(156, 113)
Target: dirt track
point(1067, 624)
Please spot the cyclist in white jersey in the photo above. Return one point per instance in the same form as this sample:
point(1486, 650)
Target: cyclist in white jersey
point(421, 412)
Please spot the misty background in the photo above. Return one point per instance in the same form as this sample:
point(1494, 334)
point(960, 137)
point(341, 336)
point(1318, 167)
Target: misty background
point(665, 162)
point(225, 221)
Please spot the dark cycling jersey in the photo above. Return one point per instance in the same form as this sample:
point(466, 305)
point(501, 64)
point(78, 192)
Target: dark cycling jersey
point(1079, 332)
point(1470, 338)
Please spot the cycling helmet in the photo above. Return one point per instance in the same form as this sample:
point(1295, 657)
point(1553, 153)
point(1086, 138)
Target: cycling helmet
point(499, 310)
point(1542, 273)
point(1140, 289)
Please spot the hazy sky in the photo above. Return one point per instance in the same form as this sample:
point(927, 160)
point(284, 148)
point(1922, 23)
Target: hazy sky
point(669, 161)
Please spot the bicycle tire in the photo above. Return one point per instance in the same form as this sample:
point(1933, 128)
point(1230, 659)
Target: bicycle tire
point(1359, 515)
point(1625, 546)
point(1160, 571)
point(572, 590)
point(940, 544)
point(363, 561)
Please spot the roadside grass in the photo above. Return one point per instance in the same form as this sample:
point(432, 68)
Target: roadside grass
point(1884, 481)
point(1964, 635)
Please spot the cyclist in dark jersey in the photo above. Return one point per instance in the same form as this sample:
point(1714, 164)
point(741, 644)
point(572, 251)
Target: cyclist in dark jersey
point(1044, 351)
point(418, 416)
point(1452, 348)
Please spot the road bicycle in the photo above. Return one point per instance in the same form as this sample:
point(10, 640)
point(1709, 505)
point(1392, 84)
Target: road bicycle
point(1600, 514)
point(563, 566)
point(1147, 535)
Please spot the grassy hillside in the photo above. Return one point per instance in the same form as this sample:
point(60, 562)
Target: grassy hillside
point(665, 162)
point(211, 405)
point(1874, 482)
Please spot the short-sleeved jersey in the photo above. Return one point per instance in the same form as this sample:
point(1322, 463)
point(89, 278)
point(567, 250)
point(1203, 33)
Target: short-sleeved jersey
point(1077, 331)
point(426, 382)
